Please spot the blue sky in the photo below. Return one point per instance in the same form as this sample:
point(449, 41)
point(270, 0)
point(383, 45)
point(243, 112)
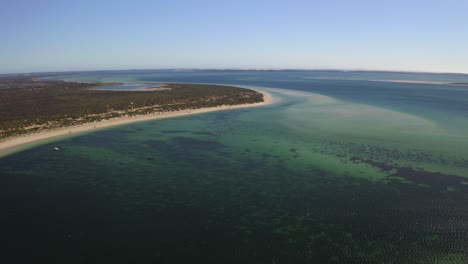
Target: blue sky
point(62, 35)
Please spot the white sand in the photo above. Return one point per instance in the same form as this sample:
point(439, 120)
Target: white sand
point(15, 144)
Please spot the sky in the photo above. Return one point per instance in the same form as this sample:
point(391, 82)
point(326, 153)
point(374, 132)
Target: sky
point(66, 35)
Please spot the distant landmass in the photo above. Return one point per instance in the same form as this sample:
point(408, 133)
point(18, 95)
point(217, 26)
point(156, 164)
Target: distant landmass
point(54, 73)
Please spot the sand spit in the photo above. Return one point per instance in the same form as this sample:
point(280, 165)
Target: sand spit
point(22, 142)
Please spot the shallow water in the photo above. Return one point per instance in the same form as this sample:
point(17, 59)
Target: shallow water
point(335, 171)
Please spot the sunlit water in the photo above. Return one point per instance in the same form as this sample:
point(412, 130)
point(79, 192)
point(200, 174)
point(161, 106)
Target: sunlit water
point(340, 169)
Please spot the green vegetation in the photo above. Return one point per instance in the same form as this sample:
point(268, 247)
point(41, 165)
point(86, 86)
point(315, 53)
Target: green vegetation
point(36, 105)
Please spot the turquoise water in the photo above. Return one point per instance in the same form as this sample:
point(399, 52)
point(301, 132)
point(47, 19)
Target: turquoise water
point(339, 169)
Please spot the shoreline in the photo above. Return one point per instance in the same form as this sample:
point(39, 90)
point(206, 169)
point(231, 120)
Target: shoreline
point(23, 142)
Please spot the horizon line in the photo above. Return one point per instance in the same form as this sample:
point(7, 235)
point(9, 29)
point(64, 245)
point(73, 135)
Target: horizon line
point(235, 69)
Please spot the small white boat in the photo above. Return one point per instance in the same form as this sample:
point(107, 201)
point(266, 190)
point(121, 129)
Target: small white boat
point(56, 148)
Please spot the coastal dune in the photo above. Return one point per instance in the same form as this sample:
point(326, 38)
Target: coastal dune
point(22, 142)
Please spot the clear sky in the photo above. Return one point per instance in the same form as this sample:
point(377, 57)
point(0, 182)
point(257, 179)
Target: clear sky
point(62, 35)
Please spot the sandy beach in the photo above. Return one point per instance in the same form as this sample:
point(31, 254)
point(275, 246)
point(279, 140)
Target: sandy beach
point(15, 144)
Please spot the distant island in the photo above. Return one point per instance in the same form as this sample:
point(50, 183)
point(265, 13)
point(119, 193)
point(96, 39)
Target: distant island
point(33, 109)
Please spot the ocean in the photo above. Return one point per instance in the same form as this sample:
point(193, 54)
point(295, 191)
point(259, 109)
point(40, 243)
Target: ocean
point(343, 167)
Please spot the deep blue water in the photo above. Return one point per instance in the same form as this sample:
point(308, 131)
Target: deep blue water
point(342, 168)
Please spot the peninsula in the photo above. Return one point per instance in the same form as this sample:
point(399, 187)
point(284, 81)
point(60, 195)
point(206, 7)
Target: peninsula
point(34, 110)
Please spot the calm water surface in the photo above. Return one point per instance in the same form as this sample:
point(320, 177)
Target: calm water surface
point(342, 168)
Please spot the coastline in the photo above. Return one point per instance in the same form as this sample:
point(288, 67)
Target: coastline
point(23, 142)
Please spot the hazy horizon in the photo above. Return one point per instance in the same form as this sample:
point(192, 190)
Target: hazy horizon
point(231, 69)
